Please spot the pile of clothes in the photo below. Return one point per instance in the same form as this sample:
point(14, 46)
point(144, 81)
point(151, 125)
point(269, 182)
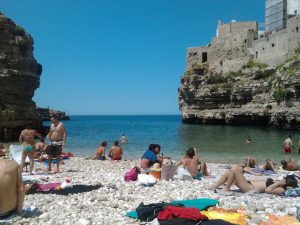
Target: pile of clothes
point(177, 213)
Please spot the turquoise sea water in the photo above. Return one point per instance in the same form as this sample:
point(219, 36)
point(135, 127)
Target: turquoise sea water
point(215, 143)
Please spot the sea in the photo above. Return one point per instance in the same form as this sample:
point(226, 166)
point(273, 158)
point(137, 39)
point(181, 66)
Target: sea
point(215, 143)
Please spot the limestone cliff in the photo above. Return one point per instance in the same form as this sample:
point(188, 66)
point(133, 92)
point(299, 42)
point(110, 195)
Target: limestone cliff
point(19, 78)
point(254, 95)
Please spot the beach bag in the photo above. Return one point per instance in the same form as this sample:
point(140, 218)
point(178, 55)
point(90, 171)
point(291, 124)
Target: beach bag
point(168, 171)
point(132, 174)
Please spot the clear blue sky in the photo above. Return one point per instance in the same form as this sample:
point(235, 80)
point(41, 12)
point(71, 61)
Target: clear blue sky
point(106, 57)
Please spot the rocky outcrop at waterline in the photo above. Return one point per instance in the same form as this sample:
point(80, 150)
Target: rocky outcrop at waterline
point(19, 78)
point(44, 114)
point(254, 95)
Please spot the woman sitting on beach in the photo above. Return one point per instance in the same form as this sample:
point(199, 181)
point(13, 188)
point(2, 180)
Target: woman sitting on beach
point(192, 164)
point(151, 156)
point(100, 152)
point(268, 186)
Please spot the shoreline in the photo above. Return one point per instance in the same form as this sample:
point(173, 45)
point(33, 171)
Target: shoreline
point(108, 204)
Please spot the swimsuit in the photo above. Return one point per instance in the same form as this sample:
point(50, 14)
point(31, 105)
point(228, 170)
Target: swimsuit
point(8, 214)
point(28, 148)
point(198, 176)
point(269, 182)
point(287, 149)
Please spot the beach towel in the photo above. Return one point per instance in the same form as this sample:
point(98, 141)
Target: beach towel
point(228, 215)
point(280, 220)
point(15, 153)
point(48, 186)
point(293, 192)
point(35, 177)
point(199, 203)
point(180, 221)
point(75, 190)
point(171, 212)
point(264, 172)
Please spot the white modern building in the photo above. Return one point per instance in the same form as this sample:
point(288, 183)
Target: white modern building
point(277, 13)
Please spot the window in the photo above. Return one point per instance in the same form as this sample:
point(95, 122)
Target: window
point(297, 29)
point(256, 54)
point(273, 45)
point(204, 57)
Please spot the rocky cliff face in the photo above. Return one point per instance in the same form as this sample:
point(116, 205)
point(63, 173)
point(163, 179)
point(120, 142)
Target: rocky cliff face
point(19, 78)
point(255, 95)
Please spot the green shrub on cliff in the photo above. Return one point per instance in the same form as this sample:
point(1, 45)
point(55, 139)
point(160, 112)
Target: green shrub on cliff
point(235, 73)
point(19, 31)
point(252, 64)
point(279, 95)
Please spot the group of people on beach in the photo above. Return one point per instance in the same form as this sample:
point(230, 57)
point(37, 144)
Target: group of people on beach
point(11, 186)
point(57, 139)
point(12, 190)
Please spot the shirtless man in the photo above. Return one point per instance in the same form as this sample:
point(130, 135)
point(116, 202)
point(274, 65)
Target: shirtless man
point(191, 163)
point(287, 145)
point(268, 186)
point(57, 136)
point(11, 188)
point(100, 152)
point(116, 151)
point(27, 138)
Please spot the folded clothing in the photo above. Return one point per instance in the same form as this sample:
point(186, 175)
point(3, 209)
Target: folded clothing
point(171, 212)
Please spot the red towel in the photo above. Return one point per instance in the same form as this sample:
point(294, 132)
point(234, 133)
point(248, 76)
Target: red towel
point(171, 212)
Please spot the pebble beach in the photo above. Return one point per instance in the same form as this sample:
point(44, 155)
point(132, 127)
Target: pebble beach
point(109, 204)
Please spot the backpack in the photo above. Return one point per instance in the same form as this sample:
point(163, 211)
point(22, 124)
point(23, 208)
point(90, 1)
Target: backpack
point(132, 174)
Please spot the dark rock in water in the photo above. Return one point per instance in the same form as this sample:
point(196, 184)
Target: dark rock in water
point(44, 114)
point(19, 78)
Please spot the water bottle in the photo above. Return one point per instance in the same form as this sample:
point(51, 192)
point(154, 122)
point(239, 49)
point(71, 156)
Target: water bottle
point(298, 211)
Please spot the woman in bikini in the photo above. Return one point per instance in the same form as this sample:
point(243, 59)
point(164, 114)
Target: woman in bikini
point(27, 139)
point(262, 186)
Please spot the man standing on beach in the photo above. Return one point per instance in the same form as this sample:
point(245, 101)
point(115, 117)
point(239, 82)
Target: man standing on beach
point(57, 137)
point(11, 188)
point(287, 145)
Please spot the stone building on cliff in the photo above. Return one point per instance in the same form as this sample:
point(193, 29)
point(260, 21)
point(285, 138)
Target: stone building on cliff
point(246, 76)
point(19, 78)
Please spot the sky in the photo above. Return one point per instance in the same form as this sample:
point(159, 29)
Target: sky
point(119, 57)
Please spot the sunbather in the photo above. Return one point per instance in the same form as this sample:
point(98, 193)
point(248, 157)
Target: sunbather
point(290, 165)
point(269, 186)
point(193, 165)
point(11, 188)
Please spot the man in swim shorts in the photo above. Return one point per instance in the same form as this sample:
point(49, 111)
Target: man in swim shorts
point(27, 138)
point(57, 136)
point(116, 151)
point(287, 145)
point(11, 188)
